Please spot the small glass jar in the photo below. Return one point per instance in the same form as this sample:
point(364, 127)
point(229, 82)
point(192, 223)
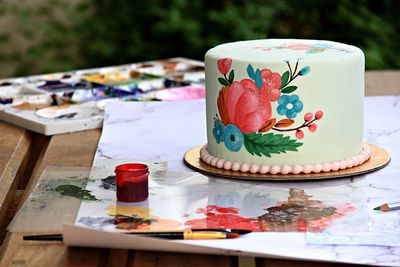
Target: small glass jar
point(132, 182)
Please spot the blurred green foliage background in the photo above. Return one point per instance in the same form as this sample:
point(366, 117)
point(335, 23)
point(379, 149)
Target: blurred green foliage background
point(39, 36)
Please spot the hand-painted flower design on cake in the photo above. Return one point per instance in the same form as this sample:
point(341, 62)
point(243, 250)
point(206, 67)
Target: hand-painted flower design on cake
point(246, 115)
point(297, 46)
point(218, 131)
point(233, 138)
point(224, 65)
point(311, 48)
point(289, 106)
point(246, 106)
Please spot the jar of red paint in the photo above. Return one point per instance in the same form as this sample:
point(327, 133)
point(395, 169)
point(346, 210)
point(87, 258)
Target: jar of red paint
point(132, 182)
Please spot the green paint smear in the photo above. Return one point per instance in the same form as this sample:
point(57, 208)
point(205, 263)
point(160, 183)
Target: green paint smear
point(75, 191)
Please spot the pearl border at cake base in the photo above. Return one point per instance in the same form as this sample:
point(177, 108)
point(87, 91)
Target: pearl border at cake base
point(378, 158)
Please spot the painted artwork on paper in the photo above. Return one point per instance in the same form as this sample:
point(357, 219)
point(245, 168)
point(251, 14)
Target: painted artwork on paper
point(180, 200)
point(246, 117)
point(54, 201)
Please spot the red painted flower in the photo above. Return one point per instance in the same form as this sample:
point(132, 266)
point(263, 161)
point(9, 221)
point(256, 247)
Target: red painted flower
point(247, 107)
point(271, 83)
point(297, 46)
point(224, 64)
point(223, 217)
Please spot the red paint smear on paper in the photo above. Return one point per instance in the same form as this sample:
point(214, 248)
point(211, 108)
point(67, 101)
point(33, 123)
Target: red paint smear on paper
point(321, 224)
point(222, 217)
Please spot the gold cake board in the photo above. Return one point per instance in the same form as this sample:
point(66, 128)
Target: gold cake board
point(379, 159)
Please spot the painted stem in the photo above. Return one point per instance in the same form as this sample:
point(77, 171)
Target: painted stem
point(295, 68)
point(291, 73)
point(290, 68)
point(226, 78)
point(291, 79)
point(305, 124)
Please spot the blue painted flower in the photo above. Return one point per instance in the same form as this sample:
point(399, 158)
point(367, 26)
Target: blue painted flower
point(321, 45)
point(218, 131)
point(304, 70)
point(289, 105)
point(233, 138)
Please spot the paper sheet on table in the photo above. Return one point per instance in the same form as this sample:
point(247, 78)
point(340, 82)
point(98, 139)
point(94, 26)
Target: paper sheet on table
point(381, 128)
point(179, 200)
point(46, 209)
point(152, 130)
point(58, 195)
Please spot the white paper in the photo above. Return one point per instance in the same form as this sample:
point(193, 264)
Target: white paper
point(179, 200)
point(382, 127)
point(152, 131)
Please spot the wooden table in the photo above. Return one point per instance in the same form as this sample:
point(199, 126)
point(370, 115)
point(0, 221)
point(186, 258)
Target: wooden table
point(23, 157)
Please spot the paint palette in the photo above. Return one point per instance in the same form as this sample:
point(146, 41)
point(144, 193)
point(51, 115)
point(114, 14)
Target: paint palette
point(176, 69)
point(181, 93)
point(66, 112)
point(18, 94)
point(74, 101)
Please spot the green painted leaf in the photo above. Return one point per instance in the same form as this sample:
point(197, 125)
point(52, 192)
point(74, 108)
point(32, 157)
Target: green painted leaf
point(258, 79)
point(250, 72)
point(266, 144)
point(74, 191)
point(231, 76)
point(223, 81)
point(285, 78)
point(289, 89)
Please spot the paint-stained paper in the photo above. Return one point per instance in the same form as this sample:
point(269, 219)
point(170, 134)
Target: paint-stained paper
point(180, 200)
point(59, 192)
point(55, 200)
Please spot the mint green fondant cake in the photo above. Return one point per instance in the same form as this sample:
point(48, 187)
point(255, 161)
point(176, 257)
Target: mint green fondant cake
point(284, 106)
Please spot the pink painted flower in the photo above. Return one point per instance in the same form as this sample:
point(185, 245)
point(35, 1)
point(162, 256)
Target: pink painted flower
point(263, 48)
point(271, 83)
point(224, 64)
point(297, 46)
point(247, 107)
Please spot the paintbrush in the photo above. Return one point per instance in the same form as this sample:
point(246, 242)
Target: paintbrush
point(190, 234)
point(388, 206)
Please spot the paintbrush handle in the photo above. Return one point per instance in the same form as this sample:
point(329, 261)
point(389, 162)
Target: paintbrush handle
point(53, 237)
point(165, 235)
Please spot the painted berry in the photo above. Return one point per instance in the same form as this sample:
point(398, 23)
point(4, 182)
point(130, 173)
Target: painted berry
point(308, 116)
point(299, 134)
point(312, 127)
point(304, 70)
point(319, 114)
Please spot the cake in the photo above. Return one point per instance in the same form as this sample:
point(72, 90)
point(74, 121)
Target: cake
point(284, 106)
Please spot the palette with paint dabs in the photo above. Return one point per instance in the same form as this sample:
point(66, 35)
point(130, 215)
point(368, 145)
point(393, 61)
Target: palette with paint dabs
point(74, 101)
point(67, 112)
point(126, 81)
point(15, 94)
point(175, 69)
